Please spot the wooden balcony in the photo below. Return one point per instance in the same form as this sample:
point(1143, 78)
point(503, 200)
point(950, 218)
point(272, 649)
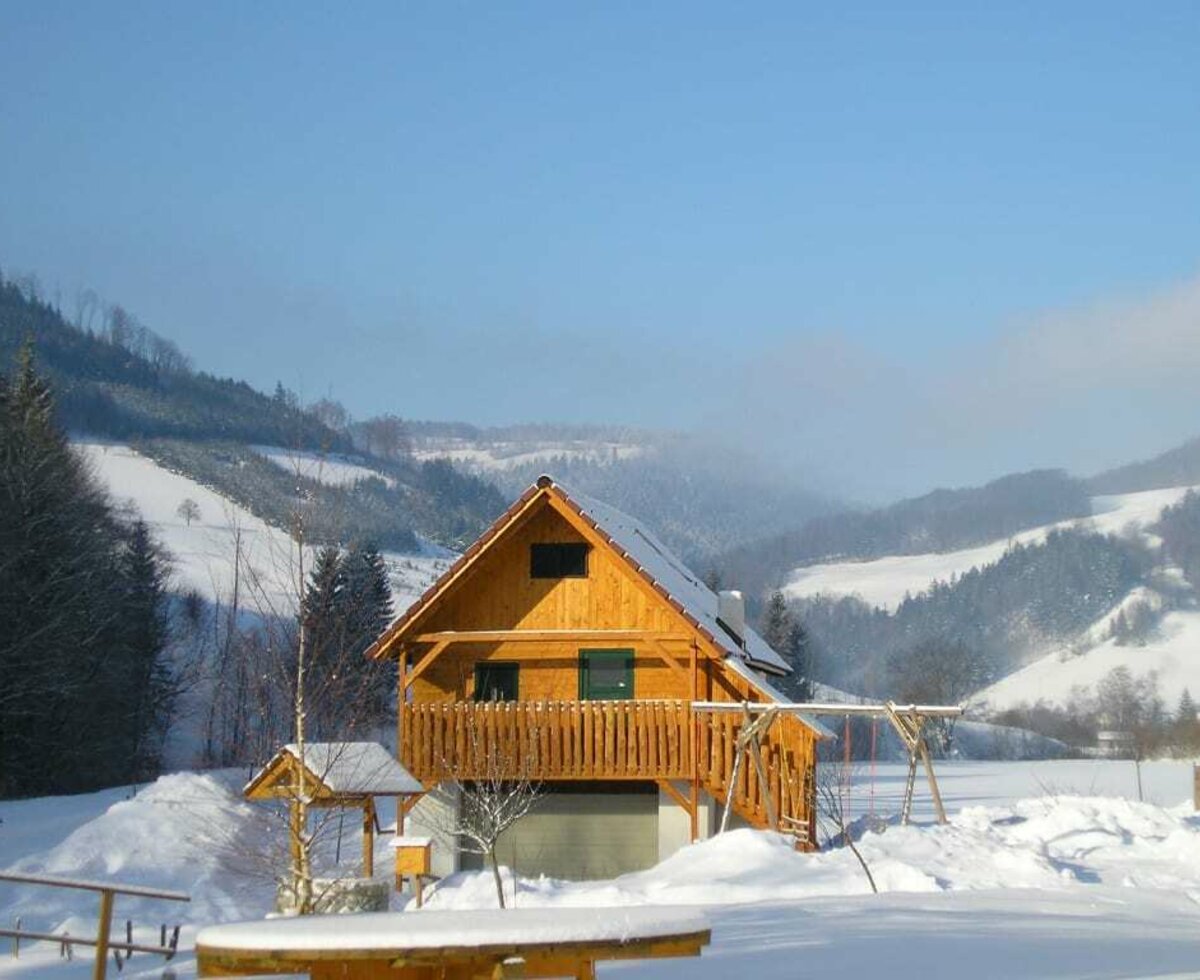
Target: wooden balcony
point(613, 740)
point(547, 740)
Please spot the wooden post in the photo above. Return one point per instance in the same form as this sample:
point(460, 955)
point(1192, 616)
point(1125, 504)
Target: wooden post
point(402, 697)
point(368, 841)
point(100, 967)
point(694, 735)
point(294, 830)
point(933, 785)
point(1196, 786)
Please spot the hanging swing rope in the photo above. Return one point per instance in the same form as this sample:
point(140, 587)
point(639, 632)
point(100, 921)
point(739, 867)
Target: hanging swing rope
point(847, 774)
point(874, 739)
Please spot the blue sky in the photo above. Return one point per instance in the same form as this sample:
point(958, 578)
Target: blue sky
point(835, 222)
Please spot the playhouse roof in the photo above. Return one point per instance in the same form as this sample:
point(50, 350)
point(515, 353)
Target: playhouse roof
point(340, 770)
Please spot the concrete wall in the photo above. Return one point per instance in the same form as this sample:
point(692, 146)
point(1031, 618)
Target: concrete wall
point(582, 835)
point(434, 816)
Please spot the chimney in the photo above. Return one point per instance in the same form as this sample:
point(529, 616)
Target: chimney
point(731, 611)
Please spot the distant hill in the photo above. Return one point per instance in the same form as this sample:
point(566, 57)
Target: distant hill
point(942, 520)
point(128, 382)
point(700, 499)
point(1176, 467)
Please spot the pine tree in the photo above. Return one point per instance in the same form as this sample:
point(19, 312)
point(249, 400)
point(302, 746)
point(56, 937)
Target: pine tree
point(1186, 714)
point(145, 632)
point(368, 612)
point(798, 654)
point(68, 719)
point(325, 620)
point(777, 623)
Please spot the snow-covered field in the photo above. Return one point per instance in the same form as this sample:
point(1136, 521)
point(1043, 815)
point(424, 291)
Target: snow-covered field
point(203, 551)
point(886, 581)
point(1046, 869)
point(328, 468)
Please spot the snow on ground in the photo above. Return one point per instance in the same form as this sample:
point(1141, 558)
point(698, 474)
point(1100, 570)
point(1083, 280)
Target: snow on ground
point(885, 581)
point(203, 551)
point(1045, 870)
point(1174, 655)
point(331, 469)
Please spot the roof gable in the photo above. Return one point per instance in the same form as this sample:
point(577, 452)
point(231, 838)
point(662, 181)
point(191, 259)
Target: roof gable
point(338, 769)
point(644, 554)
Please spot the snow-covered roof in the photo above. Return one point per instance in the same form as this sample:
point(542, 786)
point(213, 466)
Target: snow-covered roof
point(643, 547)
point(351, 768)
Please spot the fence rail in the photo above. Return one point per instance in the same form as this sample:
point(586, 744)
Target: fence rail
point(103, 941)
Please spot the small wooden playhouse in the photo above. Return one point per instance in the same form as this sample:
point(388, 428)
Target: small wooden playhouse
point(570, 643)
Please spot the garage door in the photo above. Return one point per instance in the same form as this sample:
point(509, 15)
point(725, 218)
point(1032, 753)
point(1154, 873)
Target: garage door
point(583, 832)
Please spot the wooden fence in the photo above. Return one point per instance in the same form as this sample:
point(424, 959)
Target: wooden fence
point(103, 941)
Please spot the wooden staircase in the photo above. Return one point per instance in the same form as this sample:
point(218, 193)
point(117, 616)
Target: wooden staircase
point(779, 795)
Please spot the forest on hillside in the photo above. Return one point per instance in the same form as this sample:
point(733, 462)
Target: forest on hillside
point(944, 520)
point(998, 615)
point(114, 376)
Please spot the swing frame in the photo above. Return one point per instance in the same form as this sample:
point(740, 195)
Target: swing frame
point(908, 720)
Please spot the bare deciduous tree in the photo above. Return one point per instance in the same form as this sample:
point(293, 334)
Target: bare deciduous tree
point(490, 805)
point(188, 510)
point(833, 785)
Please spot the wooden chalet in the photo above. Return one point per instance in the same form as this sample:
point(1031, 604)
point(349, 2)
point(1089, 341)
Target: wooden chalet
point(568, 645)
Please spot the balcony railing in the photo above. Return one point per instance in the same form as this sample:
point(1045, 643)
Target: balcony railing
point(602, 740)
point(547, 740)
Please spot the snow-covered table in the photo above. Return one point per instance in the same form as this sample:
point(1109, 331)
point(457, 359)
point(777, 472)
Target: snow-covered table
point(490, 943)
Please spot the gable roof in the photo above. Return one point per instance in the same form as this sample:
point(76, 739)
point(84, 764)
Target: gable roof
point(346, 769)
point(645, 554)
point(643, 549)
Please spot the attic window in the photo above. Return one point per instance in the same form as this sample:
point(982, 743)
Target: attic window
point(558, 561)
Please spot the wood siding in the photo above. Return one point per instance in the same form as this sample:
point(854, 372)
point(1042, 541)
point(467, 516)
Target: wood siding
point(548, 734)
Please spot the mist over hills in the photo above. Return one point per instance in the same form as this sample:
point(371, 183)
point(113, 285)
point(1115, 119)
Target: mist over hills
point(1176, 467)
point(723, 510)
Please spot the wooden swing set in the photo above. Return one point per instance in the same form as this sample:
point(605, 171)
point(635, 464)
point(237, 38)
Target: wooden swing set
point(909, 722)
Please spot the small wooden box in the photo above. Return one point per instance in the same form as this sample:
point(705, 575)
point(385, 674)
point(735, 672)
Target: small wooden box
point(414, 855)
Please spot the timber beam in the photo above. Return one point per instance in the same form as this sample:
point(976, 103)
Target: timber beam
point(546, 636)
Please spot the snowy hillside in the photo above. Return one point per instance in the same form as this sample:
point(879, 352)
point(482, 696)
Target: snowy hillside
point(487, 456)
point(1045, 870)
point(886, 581)
point(332, 469)
point(203, 550)
point(1173, 655)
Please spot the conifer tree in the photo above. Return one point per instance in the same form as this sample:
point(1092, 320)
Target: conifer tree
point(69, 672)
point(777, 622)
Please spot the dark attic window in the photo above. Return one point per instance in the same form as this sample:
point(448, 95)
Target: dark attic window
point(558, 560)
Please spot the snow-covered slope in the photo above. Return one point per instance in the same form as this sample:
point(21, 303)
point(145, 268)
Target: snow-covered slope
point(1173, 655)
point(885, 581)
point(328, 468)
point(203, 550)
